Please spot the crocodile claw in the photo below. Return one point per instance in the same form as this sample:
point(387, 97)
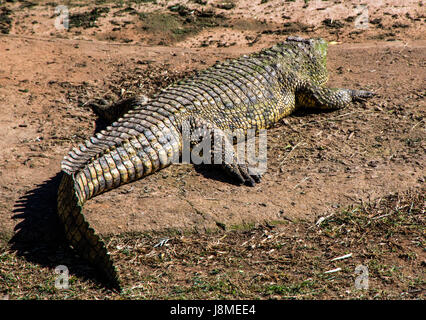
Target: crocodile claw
point(242, 174)
point(361, 95)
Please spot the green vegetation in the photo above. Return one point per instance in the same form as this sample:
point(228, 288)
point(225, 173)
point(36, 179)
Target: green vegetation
point(180, 23)
point(87, 19)
point(5, 20)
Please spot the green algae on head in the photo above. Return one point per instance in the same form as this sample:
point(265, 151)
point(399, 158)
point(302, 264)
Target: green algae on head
point(320, 47)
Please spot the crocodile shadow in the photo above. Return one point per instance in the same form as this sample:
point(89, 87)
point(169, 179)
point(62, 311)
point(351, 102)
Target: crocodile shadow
point(215, 172)
point(39, 236)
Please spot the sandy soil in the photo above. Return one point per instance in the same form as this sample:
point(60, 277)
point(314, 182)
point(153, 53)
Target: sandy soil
point(316, 162)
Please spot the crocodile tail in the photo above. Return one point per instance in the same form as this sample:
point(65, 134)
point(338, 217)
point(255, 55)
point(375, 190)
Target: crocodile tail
point(80, 235)
point(132, 148)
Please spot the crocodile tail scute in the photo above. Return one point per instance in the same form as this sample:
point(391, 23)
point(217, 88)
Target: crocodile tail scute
point(80, 235)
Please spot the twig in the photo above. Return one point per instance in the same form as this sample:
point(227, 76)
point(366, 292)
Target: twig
point(331, 119)
point(412, 128)
point(322, 219)
point(162, 242)
point(304, 179)
point(342, 257)
point(288, 154)
point(382, 216)
point(334, 270)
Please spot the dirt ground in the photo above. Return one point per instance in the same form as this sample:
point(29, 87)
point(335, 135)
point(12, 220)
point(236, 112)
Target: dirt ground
point(317, 162)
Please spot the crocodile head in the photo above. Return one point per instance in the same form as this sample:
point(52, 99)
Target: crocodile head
point(317, 46)
point(316, 49)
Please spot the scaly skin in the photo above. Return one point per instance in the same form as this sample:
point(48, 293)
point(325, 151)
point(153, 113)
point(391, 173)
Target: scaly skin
point(251, 92)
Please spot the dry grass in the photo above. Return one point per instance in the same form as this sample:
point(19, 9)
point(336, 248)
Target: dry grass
point(269, 261)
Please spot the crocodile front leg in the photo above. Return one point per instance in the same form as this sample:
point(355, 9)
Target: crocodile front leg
point(318, 97)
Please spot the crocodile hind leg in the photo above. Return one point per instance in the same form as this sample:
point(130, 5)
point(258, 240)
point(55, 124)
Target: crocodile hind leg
point(318, 97)
point(110, 112)
point(236, 167)
point(218, 149)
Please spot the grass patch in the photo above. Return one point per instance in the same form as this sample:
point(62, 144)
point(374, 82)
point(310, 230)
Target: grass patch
point(87, 19)
point(5, 20)
point(180, 23)
point(271, 261)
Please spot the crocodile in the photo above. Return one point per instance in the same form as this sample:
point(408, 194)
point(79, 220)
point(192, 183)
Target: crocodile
point(252, 92)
